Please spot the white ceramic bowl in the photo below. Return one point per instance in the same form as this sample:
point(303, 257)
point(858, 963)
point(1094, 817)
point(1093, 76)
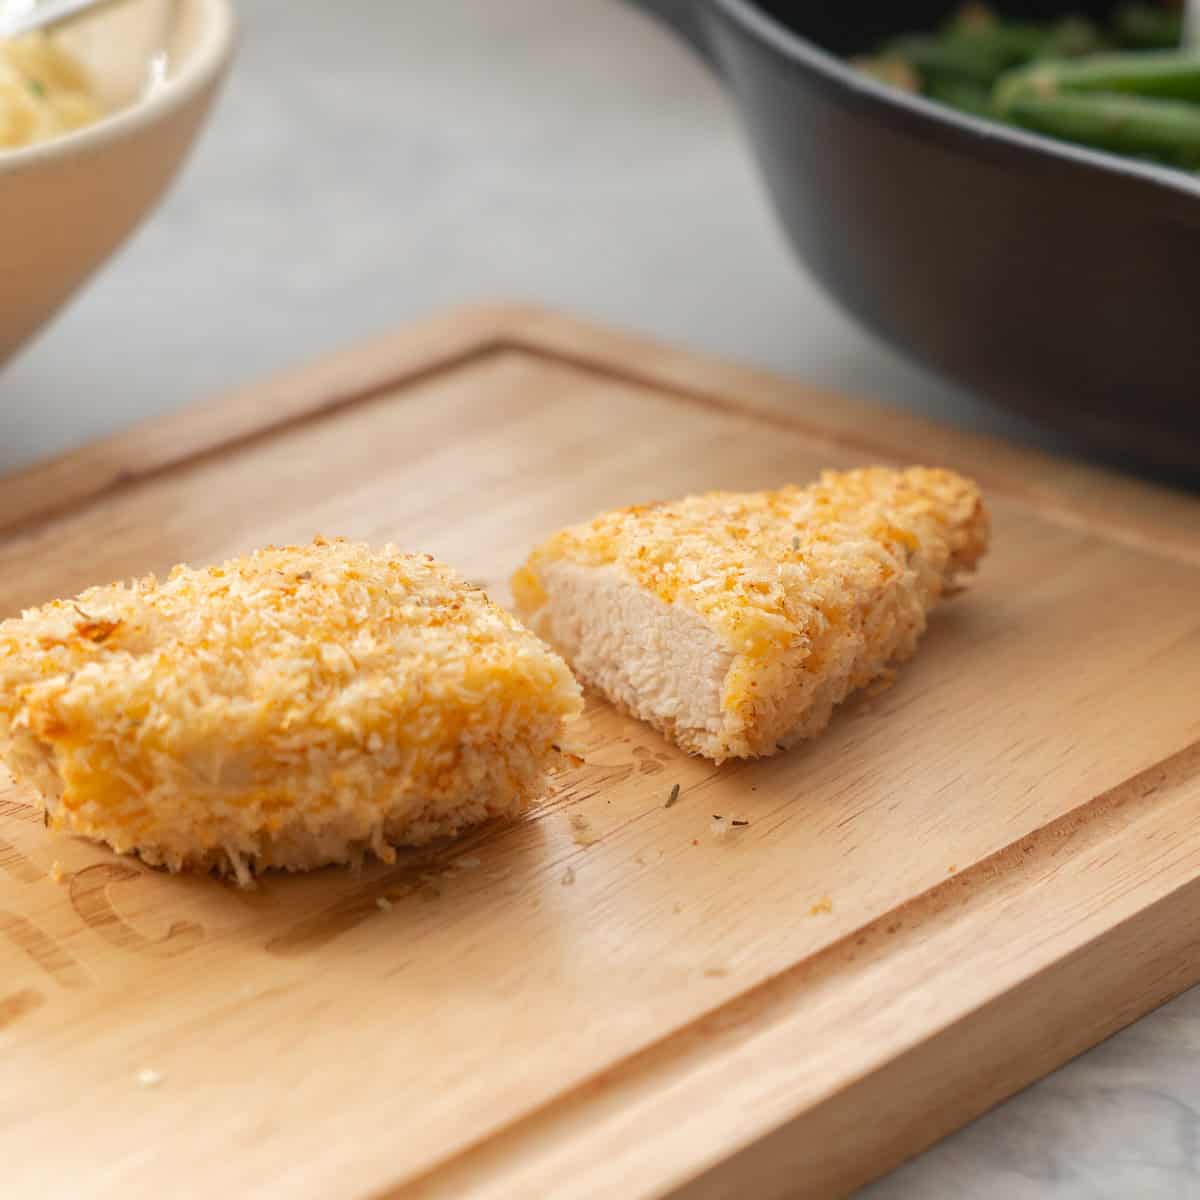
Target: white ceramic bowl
point(68, 203)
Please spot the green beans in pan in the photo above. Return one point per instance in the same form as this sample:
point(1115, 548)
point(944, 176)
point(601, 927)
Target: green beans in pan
point(1067, 79)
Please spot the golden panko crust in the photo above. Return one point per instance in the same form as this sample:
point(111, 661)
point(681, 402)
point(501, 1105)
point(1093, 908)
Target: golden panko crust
point(813, 591)
point(298, 706)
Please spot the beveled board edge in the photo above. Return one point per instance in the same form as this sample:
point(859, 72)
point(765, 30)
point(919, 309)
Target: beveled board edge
point(596, 1140)
point(718, 1109)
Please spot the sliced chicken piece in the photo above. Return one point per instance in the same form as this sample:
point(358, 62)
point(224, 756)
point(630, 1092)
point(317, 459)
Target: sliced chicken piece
point(735, 622)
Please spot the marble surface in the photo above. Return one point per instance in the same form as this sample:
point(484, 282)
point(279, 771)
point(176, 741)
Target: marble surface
point(372, 162)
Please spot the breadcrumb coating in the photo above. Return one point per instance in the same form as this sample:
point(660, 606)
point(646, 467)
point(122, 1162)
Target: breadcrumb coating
point(298, 706)
point(807, 593)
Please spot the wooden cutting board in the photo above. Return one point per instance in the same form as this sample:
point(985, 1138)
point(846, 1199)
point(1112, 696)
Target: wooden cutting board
point(970, 878)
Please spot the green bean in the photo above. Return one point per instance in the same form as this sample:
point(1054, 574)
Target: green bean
point(1165, 130)
point(1073, 37)
point(1010, 41)
point(947, 57)
point(1024, 40)
point(978, 50)
point(1161, 74)
point(1148, 27)
point(972, 98)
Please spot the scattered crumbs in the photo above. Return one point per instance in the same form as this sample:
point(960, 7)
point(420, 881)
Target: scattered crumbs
point(148, 1077)
point(824, 905)
point(780, 747)
point(673, 796)
point(57, 872)
point(796, 542)
point(951, 869)
point(716, 972)
point(637, 858)
point(695, 841)
point(535, 903)
point(721, 826)
point(581, 831)
point(677, 907)
point(568, 876)
point(468, 864)
point(383, 903)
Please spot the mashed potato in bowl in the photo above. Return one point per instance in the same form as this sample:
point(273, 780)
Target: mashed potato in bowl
point(70, 196)
point(44, 91)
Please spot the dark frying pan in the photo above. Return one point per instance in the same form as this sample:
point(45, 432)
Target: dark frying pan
point(1057, 280)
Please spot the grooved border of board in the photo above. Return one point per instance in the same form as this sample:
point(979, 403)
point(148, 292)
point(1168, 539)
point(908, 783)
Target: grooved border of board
point(1137, 947)
point(1074, 494)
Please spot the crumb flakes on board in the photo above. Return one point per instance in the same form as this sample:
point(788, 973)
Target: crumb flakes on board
point(568, 876)
point(148, 1077)
point(57, 871)
point(824, 905)
point(720, 827)
point(582, 833)
point(673, 797)
point(468, 864)
point(383, 904)
point(716, 972)
point(951, 869)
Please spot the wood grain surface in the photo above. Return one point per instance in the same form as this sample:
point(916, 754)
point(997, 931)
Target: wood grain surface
point(971, 877)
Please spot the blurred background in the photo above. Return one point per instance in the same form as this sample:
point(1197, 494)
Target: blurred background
point(370, 162)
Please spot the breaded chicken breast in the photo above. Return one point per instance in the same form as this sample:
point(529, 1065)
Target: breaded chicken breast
point(734, 623)
point(296, 707)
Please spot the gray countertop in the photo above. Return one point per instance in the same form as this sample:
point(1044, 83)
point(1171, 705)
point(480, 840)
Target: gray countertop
point(372, 162)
